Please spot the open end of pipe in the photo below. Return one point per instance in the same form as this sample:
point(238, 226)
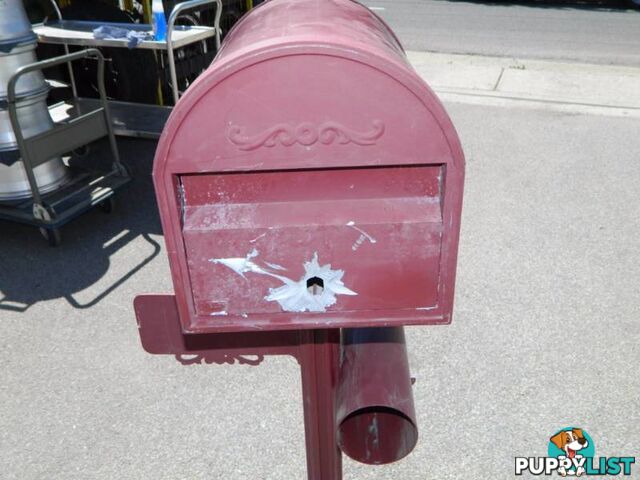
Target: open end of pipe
point(377, 435)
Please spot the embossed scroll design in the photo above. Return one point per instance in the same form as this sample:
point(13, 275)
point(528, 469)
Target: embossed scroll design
point(219, 358)
point(305, 134)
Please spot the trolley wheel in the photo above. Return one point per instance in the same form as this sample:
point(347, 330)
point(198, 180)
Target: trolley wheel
point(108, 205)
point(52, 236)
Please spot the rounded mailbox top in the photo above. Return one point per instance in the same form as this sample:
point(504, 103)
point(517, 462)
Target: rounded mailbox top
point(342, 23)
point(310, 147)
point(307, 84)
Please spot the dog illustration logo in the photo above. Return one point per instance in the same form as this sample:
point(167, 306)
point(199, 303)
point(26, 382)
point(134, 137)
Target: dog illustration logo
point(571, 443)
point(571, 452)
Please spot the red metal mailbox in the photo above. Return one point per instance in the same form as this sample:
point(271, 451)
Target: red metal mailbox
point(310, 179)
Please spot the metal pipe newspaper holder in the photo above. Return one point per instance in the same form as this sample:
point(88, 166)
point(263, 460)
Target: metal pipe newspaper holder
point(350, 404)
point(310, 190)
point(85, 189)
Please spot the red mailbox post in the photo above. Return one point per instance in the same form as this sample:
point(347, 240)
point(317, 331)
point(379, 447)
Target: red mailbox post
point(310, 187)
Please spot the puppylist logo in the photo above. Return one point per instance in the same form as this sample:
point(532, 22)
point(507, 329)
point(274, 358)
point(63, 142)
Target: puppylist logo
point(571, 451)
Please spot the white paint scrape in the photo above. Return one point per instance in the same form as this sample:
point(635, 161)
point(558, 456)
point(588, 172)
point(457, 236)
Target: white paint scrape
point(363, 236)
point(293, 296)
point(241, 265)
point(275, 266)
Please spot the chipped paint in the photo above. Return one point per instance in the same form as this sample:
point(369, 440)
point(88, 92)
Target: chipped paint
point(257, 238)
point(221, 313)
point(374, 431)
point(433, 307)
point(362, 238)
point(358, 242)
point(244, 265)
point(275, 266)
point(182, 202)
point(293, 296)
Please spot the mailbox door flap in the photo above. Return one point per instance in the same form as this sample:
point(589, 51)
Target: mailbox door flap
point(347, 240)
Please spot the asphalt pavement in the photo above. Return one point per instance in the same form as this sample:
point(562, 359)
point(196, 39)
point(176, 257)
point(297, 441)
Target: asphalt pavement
point(545, 330)
point(590, 32)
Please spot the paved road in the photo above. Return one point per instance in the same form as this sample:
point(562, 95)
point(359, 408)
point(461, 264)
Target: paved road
point(598, 35)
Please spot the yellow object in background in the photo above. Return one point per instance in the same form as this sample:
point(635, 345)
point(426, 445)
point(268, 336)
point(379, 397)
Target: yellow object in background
point(146, 11)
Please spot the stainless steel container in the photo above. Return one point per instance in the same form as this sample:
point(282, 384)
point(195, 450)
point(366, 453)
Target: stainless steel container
point(17, 48)
point(34, 118)
point(15, 186)
point(30, 83)
point(14, 24)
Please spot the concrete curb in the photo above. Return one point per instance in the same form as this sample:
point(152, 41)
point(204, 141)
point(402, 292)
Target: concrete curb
point(604, 89)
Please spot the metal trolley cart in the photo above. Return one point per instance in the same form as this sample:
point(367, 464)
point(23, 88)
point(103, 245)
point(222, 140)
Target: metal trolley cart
point(131, 119)
point(84, 189)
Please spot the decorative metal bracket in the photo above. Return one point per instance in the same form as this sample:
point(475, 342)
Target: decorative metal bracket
point(219, 358)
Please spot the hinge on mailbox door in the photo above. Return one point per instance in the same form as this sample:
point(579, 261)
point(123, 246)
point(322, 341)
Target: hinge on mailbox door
point(181, 201)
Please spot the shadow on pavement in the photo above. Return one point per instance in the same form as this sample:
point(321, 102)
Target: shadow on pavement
point(31, 271)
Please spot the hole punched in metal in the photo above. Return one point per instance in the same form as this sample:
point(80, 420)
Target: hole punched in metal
point(315, 285)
